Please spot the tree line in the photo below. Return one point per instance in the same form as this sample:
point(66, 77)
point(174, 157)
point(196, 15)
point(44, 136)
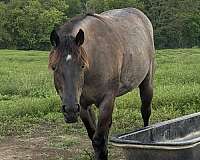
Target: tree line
point(26, 24)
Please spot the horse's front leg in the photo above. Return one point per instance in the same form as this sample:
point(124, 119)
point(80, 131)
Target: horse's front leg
point(100, 139)
point(87, 115)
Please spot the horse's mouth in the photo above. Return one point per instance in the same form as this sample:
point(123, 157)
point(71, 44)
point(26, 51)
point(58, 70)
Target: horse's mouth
point(72, 118)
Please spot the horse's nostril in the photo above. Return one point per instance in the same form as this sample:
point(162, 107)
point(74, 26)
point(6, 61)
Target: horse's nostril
point(78, 107)
point(74, 109)
point(63, 108)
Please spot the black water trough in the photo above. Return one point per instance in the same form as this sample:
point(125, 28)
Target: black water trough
point(177, 139)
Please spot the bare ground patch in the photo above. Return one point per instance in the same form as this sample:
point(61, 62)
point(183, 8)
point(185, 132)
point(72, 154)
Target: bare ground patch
point(46, 143)
point(36, 148)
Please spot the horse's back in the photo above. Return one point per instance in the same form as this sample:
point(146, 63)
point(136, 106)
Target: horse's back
point(136, 37)
point(128, 17)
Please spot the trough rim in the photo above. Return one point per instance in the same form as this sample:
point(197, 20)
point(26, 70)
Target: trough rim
point(116, 140)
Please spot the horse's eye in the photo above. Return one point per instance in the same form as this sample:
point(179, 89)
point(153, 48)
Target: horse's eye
point(83, 66)
point(54, 67)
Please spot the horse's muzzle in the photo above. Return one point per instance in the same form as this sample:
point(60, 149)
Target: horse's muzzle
point(71, 114)
point(71, 119)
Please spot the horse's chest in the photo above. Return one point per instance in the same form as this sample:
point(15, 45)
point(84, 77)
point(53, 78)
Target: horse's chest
point(92, 95)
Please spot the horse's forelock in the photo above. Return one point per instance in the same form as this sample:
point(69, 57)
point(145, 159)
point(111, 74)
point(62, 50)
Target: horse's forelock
point(54, 58)
point(78, 53)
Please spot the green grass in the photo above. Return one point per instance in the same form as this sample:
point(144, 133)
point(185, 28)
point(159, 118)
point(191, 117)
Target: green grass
point(63, 142)
point(28, 97)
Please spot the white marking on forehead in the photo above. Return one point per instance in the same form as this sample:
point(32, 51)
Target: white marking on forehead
point(69, 57)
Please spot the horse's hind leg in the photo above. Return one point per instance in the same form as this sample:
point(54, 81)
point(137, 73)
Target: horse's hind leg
point(146, 95)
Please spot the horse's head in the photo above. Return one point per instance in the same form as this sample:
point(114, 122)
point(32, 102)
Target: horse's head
point(68, 61)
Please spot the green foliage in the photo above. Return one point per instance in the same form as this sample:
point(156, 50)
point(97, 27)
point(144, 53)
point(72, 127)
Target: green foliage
point(30, 22)
point(75, 8)
point(26, 24)
point(5, 37)
point(100, 6)
point(176, 23)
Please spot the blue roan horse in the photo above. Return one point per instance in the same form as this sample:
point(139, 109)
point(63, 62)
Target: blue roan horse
point(97, 57)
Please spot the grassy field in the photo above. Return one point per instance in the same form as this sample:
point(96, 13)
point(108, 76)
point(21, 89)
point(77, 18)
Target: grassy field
point(29, 106)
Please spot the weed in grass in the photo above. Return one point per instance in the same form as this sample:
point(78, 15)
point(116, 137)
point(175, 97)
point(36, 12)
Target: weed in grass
point(85, 155)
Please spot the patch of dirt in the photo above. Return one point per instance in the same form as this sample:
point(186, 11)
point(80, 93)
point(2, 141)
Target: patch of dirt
point(47, 144)
point(42, 145)
point(12, 148)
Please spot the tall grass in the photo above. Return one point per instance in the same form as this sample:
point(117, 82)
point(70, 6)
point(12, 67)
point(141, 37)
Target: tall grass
point(28, 97)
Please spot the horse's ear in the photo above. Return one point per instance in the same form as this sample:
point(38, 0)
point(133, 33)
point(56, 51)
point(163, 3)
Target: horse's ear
point(80, 38)
point(54, 38)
